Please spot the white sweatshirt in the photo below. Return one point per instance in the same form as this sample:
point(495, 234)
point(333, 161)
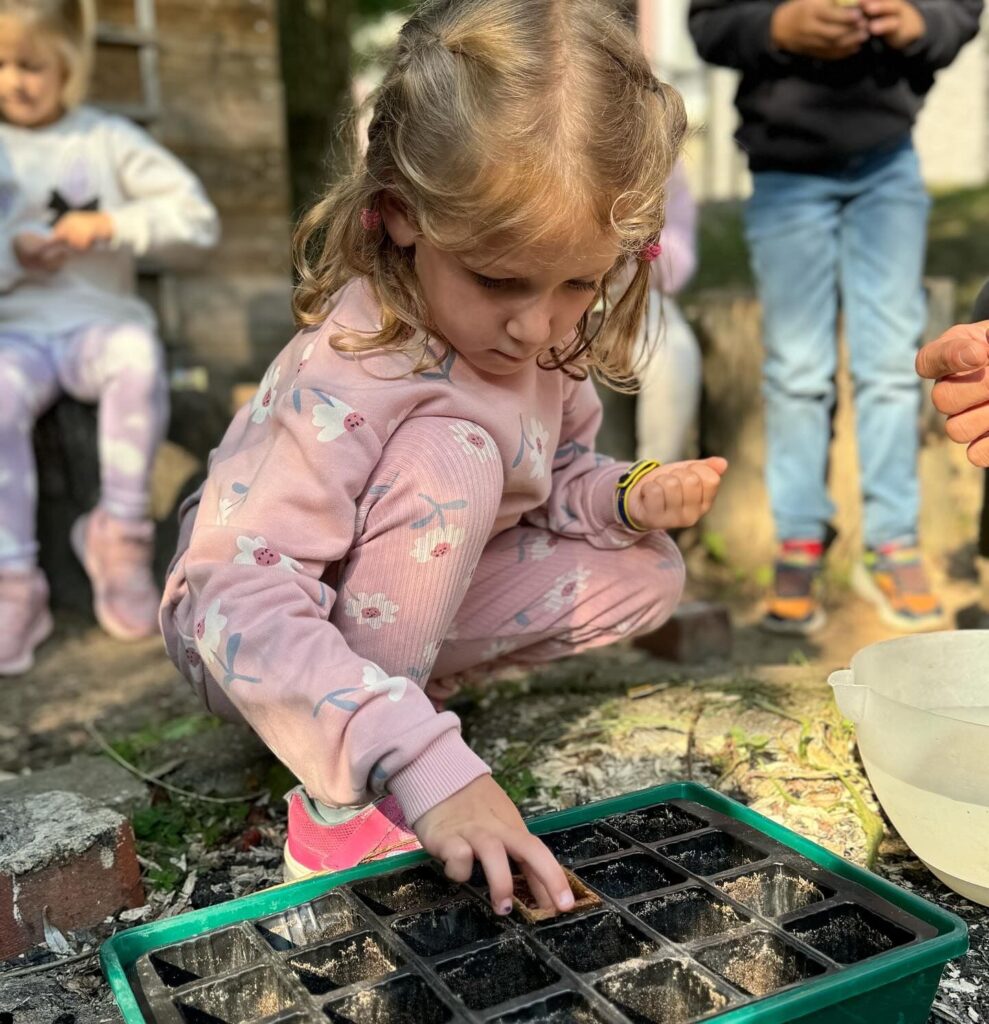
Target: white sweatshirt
point(91, 160)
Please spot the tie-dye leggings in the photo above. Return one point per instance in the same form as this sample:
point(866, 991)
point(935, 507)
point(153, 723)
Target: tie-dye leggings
point(119, 367)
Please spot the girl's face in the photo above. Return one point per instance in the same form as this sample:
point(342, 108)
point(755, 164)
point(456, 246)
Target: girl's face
point(502, 313)
point(32, 75)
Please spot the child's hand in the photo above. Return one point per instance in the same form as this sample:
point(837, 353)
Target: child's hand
point(675, 495)
point(896, 21)
point(41, 253)
point(823, 29)
point(480, 822)
point(81, 229)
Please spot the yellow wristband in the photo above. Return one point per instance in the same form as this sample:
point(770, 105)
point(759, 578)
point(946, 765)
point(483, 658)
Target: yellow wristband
point(625, 483)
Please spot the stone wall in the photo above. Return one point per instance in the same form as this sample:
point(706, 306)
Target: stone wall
point(222, 112)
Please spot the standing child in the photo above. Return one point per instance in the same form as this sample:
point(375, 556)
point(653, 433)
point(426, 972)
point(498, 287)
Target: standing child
point(827, 99)
point(413, 491)
point(82, 195)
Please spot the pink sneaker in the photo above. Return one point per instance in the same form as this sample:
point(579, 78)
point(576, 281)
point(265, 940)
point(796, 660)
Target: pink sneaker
point(116, 554)
point(313, 846)
point(25, 621)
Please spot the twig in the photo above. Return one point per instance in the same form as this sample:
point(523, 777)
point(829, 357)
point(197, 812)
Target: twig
point(154, 780)
point(50, 966)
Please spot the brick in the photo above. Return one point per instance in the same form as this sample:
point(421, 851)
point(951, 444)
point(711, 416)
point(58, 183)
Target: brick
point(98, 778)
point(697, 631)
point(67, 853)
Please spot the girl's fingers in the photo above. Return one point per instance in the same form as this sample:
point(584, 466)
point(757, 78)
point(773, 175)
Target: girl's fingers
point(537, 889)
point(717, 463)
point(457, 856)
point(532, 854)
point(490, 851)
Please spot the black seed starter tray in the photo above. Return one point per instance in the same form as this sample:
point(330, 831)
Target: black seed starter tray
point(707, 910)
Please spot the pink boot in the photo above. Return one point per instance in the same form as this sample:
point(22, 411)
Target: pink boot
point(25, 621)
point(116, 554)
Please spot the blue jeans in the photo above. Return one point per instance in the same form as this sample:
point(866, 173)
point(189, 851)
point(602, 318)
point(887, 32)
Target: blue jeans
point(859, 234)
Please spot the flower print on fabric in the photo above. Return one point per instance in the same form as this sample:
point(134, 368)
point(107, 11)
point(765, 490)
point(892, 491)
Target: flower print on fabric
point(374, 610)
point(263, 403)
point(192, 661)
point(427, 659)
point(497, 649)
point(566, 588)
point(376, 680)
point(438, 543)
point(305, 357)
point(536, 545)
point(255, 551)
point(333, 417)
point(473, 441)
point(535, 441)
point(209, 630)
point(226, 506)
point(122, 456)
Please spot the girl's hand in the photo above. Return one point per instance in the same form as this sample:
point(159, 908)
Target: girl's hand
point(81, 229)
point(480, 823)
point(40, 253)
point(676, 494)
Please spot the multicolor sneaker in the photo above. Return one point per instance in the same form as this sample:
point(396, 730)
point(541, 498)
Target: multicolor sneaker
point(314, 845)
point(25, 621)
point(893, 578)
point(117, 556)
point(793, 608)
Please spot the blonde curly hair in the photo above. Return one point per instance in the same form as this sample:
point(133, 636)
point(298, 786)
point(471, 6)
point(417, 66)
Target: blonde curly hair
point(71, 26)
point(501, 124)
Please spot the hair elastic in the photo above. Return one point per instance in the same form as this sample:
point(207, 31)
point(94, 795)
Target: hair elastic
point(650, 252)
point(370, 219)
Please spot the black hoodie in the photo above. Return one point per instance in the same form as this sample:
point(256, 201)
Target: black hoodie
point(803, 114)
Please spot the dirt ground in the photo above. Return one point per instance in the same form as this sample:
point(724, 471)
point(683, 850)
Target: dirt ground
point(761, 727)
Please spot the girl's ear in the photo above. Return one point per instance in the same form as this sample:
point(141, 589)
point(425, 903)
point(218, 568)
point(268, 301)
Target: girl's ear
point(400, 228)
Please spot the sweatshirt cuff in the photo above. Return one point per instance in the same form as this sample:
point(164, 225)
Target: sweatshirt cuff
point(442, 769)
point(603, 503)
point(130, 230)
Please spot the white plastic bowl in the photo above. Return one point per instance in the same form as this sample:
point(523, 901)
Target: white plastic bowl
point(920, 705)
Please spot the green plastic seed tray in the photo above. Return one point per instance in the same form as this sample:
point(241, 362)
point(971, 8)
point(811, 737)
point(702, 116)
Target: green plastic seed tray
point(707, 911)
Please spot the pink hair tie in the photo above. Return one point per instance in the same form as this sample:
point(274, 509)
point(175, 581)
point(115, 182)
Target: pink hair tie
point(649, 253)
point(370, 219)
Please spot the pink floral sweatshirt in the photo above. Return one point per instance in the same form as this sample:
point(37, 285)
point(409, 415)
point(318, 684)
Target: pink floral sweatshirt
point(286, 496)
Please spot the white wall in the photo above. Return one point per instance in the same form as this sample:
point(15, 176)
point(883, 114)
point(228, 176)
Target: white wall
point(952, 134)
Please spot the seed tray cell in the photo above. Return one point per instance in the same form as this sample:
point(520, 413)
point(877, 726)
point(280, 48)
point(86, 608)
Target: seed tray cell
point(760, 963)
point(575, 845)
point(703, 910)
point(688, 915)
point(630, 876)
point(775, 891)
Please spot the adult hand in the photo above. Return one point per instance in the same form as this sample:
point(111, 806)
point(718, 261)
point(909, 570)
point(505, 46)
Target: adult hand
point(819, 28)
point(81, 229)
point(959, 362)
point(675, 495)
point(896, 21)
point(479, 822)
point(39, 253)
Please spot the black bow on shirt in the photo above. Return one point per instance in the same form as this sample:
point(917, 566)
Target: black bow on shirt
point(60, 206)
